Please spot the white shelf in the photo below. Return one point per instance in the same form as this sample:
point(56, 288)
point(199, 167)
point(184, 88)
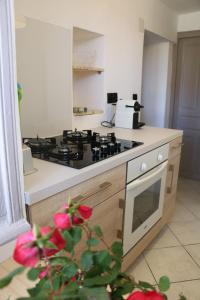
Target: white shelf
point(88, 69)
point(90, 112)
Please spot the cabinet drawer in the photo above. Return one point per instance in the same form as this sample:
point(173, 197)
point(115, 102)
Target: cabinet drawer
point(175, 147)
point(93, 191)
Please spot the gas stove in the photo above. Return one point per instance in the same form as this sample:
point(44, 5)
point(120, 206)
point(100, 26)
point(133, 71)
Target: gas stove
point(78, 149)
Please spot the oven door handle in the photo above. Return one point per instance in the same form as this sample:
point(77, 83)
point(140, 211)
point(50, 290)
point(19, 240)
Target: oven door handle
point(143, 180)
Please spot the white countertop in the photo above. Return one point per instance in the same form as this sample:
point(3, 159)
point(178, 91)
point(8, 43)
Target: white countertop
point(52, 178)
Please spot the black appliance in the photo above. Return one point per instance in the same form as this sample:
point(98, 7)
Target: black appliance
point(78, 149)
point(137, 106)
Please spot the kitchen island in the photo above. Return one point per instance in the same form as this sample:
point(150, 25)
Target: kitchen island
point(103, 185)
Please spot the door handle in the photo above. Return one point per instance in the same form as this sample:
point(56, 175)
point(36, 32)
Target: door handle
point(171, 169)
point(101, 187)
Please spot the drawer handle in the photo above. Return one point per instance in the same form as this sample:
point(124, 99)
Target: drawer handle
point(102, 186)
point(171, 169)
point(121, 203)
point(105, 185)
point(177, 146)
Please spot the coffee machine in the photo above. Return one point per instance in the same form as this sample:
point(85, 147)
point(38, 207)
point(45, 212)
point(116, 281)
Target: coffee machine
point(127, 113)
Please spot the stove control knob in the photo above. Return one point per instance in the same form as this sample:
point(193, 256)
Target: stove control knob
point(143, 167)
point(95, 151)
point(111, 148)
point(118, 146)
point(160, 157)
point(104, 149)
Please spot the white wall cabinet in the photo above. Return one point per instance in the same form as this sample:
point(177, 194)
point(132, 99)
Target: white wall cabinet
point(44, 60)
point(59, 68)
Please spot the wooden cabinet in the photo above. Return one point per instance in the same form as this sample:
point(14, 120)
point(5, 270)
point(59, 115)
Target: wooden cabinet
point(109, 216)
point(91, 192)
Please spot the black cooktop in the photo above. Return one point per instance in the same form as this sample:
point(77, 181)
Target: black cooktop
point(78, 149)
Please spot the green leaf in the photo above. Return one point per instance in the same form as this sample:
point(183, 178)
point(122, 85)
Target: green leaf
point(100, 280)
point(70, 287)
point(123, 288)
point(103, 258)
point(117, 249)
point(7, 279)
point(59, 260)
point(36, 231)
point(97, 230)
point(69, 241)
point(146, 285)
point(76, 233)
point(33, 274)
point(86, 260)
point(92, 242)
point(56, 281)
point(164, 284)
point(70, 270)
point(94, 293)
point(50, 245)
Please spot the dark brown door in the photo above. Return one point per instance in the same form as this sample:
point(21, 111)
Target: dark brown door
point(187, 104)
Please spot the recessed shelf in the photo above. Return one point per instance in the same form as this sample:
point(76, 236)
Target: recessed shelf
point(88, 69)
point(89, 112)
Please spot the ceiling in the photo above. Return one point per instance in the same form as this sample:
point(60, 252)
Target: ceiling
point(183, 6)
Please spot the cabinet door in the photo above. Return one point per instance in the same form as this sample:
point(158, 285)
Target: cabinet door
point(109, 216)
point(171, 187)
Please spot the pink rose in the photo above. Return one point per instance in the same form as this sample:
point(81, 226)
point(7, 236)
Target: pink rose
point(27, 252)
point(85, 211)
point(62, 221)
point(151, 295)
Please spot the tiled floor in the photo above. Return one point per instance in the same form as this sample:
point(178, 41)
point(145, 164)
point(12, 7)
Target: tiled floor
point(176, 250)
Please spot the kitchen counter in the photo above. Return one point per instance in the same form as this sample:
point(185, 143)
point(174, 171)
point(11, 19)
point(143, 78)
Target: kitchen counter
point(52, 178)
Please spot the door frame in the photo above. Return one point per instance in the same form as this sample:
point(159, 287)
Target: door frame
point(11, 163)
point(180, 35)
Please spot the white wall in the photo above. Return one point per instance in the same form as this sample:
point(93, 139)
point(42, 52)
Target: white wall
point(121, 22)
point(155, 96)
point(189, 22)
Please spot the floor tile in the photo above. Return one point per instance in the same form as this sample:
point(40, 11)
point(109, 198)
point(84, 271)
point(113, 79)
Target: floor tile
point(190, 290)
point(186, 232)
point(140, 271)
point(194, 251)
point(173, 262)
point(164, 239)
point(182, 214)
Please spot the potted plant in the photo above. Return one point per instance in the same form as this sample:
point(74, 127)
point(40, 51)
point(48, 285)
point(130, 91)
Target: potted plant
point(50, 256)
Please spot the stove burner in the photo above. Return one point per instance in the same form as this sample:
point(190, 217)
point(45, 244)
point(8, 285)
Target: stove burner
point(39, 145)
point(78, 149)
point(63, 149)
point(77, 135)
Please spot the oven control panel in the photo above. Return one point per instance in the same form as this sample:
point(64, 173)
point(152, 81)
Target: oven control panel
point(142, 164)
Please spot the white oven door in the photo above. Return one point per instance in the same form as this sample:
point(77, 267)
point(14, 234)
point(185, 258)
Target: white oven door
point(144, 205)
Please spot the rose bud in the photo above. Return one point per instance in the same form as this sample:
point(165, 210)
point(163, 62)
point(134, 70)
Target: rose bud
point(77, 221)
point(85, 211)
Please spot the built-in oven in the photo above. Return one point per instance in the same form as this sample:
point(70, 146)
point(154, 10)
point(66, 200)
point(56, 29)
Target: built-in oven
point(145, 192)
